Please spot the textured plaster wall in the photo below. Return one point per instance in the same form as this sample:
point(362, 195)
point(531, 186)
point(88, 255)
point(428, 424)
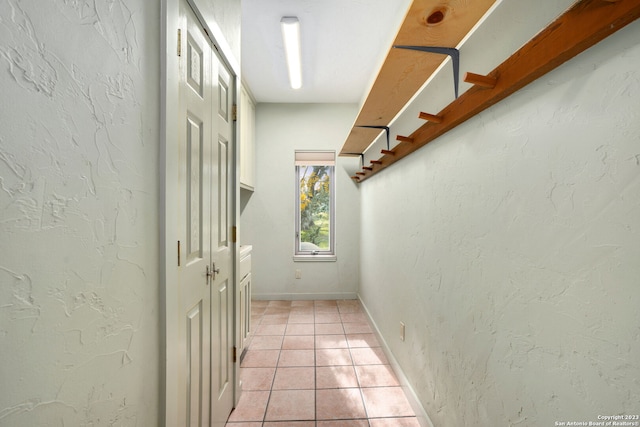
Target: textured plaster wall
point(268, 218)
point(79, 144)
point(510, 247)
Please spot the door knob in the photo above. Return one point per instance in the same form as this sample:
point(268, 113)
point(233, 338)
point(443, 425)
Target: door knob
point(212, 273)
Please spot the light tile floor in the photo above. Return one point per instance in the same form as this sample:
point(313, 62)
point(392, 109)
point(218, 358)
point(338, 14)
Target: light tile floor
point(317, 364)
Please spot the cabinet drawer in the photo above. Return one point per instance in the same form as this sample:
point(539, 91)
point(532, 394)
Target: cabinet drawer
point(245, 266)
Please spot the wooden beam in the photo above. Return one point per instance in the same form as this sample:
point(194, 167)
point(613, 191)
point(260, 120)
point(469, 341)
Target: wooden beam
point(434, 22)
point(583, 25)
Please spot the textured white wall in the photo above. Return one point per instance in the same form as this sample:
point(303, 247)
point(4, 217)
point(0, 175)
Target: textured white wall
point(79, 141)
point(268, 218)
point(510, 247)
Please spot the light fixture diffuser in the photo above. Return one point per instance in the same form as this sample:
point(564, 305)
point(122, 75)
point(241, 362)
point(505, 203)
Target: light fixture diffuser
point(291, 37)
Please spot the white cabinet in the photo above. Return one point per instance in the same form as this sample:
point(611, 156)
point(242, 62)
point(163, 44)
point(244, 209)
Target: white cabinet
point(245, 296)
point(247, 140)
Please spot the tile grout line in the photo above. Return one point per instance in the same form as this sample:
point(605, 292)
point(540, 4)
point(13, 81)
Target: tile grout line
point(315, 371)
point(275, 370)
point(355, 371)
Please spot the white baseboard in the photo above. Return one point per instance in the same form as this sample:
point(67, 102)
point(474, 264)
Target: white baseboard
point(421, 414)
point(302, 296)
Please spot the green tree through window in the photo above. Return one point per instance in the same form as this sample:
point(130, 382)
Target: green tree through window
point(314, 205)
point(314, 225)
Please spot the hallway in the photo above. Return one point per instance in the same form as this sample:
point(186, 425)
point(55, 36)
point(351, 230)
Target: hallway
point(317, 364)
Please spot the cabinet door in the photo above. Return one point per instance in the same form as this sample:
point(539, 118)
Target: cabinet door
point(245, 311)
point(247, 140)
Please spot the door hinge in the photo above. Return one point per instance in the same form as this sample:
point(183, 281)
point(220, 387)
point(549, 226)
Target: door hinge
point(234, 112)
point(178, 253)
point(235, 351)
point(179, 42)
point(234, 234)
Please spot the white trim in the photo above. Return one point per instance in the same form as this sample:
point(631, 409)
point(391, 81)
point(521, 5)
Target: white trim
point(315, 158)
point(421, 414)
point(170, 12)
point(315, 258)
point(306, 297)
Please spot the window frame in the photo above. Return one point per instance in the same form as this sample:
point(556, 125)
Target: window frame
point(306, 158)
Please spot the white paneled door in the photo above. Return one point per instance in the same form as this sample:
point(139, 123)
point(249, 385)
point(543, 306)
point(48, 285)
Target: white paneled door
point(221, 248)
point(205, 272)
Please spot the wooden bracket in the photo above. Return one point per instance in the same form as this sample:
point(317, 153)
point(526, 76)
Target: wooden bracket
point(430, 117)
point(480, 80)
point(389, 152)
point(386, 129)
point(451, 51)
point(376, 162)
point(368, 168)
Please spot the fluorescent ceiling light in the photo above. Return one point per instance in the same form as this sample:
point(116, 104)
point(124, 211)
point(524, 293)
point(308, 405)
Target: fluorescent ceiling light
point(291, 36)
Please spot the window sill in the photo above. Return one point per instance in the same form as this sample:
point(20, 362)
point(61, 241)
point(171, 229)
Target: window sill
point(315, 258)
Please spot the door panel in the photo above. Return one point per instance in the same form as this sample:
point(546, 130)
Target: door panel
point(196, 409)
point(196, 98)
point(223, 96)
point(223, 355)
point(194, 176)
point(223, 202)
point(222, 363)
point(195, 64)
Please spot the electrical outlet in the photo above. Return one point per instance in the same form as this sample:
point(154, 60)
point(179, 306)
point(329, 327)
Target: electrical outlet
point(402, 331)
point(298, 274)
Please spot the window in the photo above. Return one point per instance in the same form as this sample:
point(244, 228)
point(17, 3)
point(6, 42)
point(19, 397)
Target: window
point(315, 205)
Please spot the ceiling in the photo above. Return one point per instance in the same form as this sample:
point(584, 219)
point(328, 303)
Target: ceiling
point(343, 45)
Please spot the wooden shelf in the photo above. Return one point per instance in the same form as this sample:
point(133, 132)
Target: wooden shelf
point(583, 25)
point(427, 23)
